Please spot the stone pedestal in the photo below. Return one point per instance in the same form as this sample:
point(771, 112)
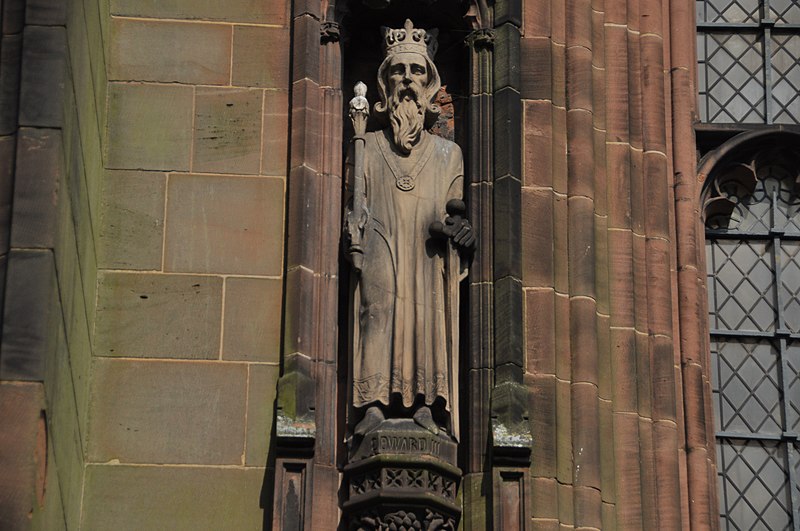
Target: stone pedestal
point(401, 476)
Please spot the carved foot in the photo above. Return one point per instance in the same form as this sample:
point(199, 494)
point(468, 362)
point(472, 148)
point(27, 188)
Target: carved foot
point(372, 419)
point(424, 418)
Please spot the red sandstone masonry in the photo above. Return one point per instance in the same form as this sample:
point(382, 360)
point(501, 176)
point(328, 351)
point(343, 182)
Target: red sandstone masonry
point(583, 341)
point(540, 339)
point(694, 338)
point(581, 247)
point(560, 244)
point(605, 387)
point(562, 330)
point(537, 238)
point(623, 363)
point(620, 287)
point(580, 158)
point(626, 459)
point(603, 295)
point(543, 422)
point(537, 147)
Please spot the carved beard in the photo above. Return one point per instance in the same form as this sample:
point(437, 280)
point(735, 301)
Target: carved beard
point(407, 117)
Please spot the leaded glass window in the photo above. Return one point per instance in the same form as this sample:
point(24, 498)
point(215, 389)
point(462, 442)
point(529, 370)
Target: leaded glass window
point(752, 216)
point(749, 61)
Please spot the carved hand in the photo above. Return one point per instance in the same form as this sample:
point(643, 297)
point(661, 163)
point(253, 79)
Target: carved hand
point(456, 226)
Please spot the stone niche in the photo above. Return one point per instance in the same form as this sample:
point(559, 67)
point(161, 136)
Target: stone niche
point(400, 475)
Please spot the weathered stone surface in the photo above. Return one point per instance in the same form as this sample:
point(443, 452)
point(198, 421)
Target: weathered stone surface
point(537, 149)
point(305, 48)
point(507, 207)
point(261, 57)
point(535, 77)
point(227, 130)
point(131, 231)
point(45, 12)
point(51, 515)
point(261, 390)
point(224, 225)
point(131, 140)
point(159, 316)
point(10, 48)
point(41, 97)
point(306, 138)
point(65, 425)
point(537, 237)
point(252, 319)
point(87, 70)
point(73, 338)
point(177, 498)
point(36, 188)
point(167, 412)
point(7, 146)
point(22, 449)
point(31, 287)
point(169, 52)
point(274, 137)
point(256, 11)
point(540, 343)
point(581, 246)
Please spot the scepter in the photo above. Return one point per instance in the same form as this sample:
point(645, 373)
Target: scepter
point(357, 218)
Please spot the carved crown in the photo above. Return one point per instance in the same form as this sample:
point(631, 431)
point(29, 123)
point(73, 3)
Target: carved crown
point(410, 39)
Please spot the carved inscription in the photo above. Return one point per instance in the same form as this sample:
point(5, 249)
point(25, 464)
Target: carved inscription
point(405, 444)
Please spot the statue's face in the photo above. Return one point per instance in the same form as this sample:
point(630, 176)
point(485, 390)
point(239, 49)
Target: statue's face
point(406, 69)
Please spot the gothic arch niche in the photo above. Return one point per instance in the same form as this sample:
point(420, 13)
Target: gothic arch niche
point(377, 495)
point(751, 211)
point(480, 69)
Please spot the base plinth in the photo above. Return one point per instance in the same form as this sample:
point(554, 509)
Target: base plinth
point(401, 476)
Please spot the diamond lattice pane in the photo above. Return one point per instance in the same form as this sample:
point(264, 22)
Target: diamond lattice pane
point(742, 285)
point(790, 284)
point(755, 493)
point(728, 11)
point(785, 11)
point(786, 78)
point(734, 73)
point(792, 356)
point(793, 217)
point(747, 381)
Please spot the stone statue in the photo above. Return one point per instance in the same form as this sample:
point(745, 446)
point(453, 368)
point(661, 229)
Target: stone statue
point(407, 237)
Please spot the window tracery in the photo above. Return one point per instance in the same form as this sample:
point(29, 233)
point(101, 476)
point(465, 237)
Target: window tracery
point(752, 220)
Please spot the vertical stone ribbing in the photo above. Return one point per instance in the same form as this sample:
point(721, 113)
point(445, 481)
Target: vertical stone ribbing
point(698, 443)
point(582, 256)
point(511, 431)
point(540, 140)
point(300, 421)
point(613, 452)
point(12, 16)
point(326, 474)
point(480, 363)
point(660, 249)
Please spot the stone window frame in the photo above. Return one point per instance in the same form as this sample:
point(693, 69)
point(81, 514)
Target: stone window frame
point(735, 165)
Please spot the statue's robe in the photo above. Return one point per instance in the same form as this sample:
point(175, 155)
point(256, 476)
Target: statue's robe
point(405, 301)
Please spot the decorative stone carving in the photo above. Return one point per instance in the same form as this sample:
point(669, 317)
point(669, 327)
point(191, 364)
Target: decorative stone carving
point(408, 240)
point(407, 236)
point(403, 477)
point(329, 32)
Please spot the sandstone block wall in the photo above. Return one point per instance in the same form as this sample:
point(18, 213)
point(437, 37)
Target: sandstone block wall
point(145, 260)
point(190, 261)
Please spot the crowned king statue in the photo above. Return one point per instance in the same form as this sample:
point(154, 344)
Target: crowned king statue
point(407, 236)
